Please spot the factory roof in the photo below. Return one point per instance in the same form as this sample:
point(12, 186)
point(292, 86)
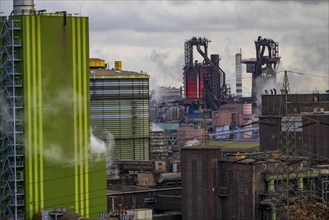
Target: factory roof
point(115, 74)
point(201, 148)
point(132, 189)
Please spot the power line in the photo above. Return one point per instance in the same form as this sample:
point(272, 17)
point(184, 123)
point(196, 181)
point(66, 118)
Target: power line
point(306, 74)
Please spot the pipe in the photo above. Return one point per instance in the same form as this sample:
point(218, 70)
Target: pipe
point(271, 187)
point(300, 184)
point(281, 176)
point(197, 85)
point(253, 191)
point(273, 209)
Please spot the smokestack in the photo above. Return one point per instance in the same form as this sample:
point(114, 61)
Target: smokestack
point(23, 7)
point(238, 74)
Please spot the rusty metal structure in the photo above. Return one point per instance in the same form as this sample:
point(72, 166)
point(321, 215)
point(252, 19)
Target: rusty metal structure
point(219, 185)
point(311, 113)
point(203, 82)
point(264, 66)
point(292, 183)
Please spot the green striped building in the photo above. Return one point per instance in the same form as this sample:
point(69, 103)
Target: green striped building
point(45, 154)
point(120, 105)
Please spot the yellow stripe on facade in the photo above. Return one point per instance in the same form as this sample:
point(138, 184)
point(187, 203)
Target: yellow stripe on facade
point(81, 162)
point(76, 171)
point(40, 113)
point(29, 118)
point(85, 74)
point(35, 124)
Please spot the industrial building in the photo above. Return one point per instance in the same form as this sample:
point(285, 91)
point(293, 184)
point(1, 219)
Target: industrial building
point(119, 105)
point(252, 186)
point(44, 142)
point(233, 117)
point(310, 113)
point(158, 143)
point(146, 184)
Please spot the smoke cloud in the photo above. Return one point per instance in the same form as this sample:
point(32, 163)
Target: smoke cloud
point(99, 150)
point(4, 116)
point(270, 86)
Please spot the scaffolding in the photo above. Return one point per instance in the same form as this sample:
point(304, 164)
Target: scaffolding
point(12, 194)
point(323, 182)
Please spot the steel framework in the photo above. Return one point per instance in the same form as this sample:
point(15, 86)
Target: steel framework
point(264, 66)
point(12, 195)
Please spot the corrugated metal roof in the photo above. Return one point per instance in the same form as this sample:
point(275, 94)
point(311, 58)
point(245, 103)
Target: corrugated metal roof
point(111, 73)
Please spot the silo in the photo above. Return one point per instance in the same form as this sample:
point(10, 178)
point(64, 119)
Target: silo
point(118, 65)
point(238, 74)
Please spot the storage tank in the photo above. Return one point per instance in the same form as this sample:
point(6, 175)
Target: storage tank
point(118, 65)
point(168, 177)
point(96, 63)
point(23, 7)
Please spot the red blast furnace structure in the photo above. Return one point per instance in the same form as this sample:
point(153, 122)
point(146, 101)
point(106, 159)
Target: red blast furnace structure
point(204, 82)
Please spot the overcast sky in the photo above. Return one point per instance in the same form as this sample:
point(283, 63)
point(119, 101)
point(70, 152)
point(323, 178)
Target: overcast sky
point(149, 36)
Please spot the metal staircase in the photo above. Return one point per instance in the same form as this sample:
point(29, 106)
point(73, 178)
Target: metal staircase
point(12, 195)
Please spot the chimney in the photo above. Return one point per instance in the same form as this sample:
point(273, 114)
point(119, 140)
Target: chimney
point(23, 7)
point(238, 74)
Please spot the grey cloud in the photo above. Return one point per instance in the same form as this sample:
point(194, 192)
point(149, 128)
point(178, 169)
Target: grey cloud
point(150, 34)
point(167, 68)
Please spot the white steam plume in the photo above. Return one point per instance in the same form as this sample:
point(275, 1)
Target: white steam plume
point(270, 86)
point(98, 149)
point(104, 147)
point(4, 116)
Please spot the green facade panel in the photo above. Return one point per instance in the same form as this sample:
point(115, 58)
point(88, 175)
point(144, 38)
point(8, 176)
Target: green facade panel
point(59, 167)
